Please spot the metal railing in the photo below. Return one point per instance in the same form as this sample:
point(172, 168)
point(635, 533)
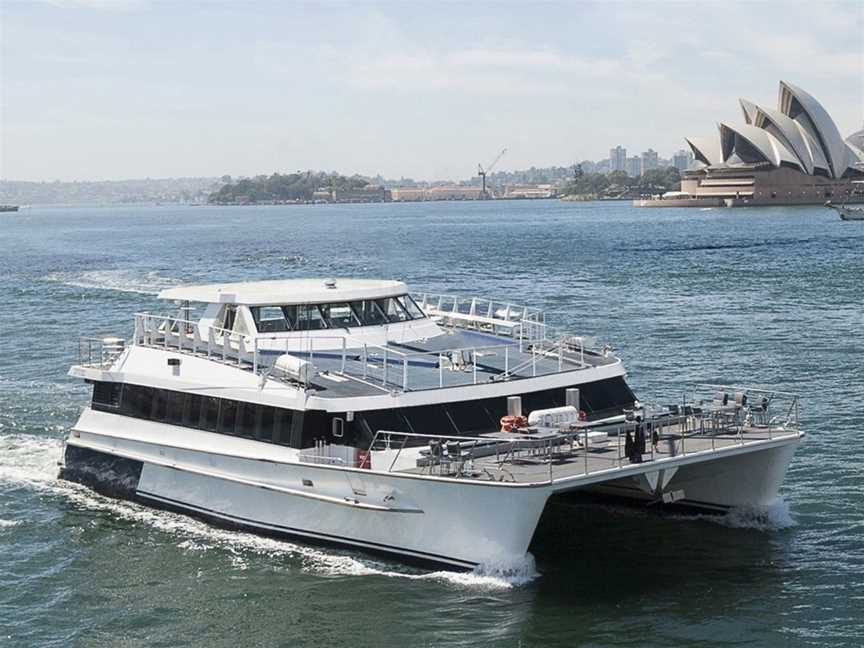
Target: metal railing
point(382, 366)
point(99, 352)
point(500, 317)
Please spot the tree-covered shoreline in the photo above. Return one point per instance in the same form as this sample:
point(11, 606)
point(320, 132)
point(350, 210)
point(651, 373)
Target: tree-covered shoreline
point(291, 187)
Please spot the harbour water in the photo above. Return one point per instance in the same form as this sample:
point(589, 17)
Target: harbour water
point(768, 296)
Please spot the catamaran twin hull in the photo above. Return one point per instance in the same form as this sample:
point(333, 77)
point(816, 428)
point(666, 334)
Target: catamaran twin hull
point(387, 437)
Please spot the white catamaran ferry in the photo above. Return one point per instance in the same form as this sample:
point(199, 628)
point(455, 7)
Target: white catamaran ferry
point(431, 427)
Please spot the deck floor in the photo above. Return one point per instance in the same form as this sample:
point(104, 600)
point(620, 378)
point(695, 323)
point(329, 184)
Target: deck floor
point(534, 465)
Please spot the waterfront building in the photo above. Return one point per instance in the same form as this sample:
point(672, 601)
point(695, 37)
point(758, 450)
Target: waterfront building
point(367, 194)
point(530, 191)
point(793, 154)
point(649, 161)
point(633, 166)
point(442, 192)
point(682, 160)
point(617, 158)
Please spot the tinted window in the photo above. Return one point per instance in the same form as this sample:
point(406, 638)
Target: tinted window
point(246, 420)
point(137, 401)
point(160, 405)
point(429, 419)
point(269, 319)
point(393, 310)
point(474, 417)
point(265, 424)
point(310, 318)
point(282, 427)
point(210, 413)
point(106, 395)
point(227, 416)
point(368, 312)
point(411, 306)
point(192, 411)
point(174, 402)
point(340, 315)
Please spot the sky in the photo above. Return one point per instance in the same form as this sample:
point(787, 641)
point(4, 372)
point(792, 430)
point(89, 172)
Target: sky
point(117, 89)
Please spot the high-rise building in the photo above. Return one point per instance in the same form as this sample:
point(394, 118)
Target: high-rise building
point(617, 158)
point(682, 160)
point(649, 160)
point(633, 166)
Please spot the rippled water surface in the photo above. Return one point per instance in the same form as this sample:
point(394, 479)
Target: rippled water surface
point(761, 296)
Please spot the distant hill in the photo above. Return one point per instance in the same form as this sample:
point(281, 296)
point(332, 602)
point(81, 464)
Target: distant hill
point(148, 190)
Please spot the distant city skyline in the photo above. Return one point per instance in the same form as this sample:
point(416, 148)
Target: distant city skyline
point(121, 89)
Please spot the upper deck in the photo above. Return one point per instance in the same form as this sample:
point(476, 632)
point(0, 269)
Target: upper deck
point(370, 338)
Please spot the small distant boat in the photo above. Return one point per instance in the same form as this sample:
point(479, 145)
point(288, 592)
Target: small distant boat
point(848, 213)
point(8, 208)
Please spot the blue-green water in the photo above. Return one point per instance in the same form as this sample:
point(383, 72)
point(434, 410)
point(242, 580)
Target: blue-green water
point(758, 296)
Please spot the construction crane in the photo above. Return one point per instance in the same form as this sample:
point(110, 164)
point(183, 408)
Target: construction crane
point(484, 195)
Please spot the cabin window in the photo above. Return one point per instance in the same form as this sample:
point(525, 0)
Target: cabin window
point(270, 319)
point(394, 311)
point(227, 416)
point(310, 318)
point(283, 427)
point(192, 411)
point(106, 395)
point(369, 313)
point(228, 317)
point(246, 420)
point(210, 414)
point(174, 402)
point(411, 306)
point(265, 426)
point(340, 315)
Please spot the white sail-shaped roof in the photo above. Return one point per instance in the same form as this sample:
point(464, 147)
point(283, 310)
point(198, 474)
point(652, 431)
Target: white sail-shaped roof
point(752, 144)
point(749, 109)
point(793, 136)
point(808, 112)
point(855, 156)
point(706, 149)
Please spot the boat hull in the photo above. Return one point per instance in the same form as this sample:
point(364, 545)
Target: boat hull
point(456, 522)
point(432, 521)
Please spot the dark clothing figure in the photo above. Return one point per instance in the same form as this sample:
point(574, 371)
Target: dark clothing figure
point(655, 439)
point(639, 442)
point(628, 447)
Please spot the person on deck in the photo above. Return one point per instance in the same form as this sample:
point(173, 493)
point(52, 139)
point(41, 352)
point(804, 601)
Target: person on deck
point(628, 447)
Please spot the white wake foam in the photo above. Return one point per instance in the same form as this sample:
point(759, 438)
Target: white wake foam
point(774, 517)
point(764, 518)
point(32, 460)
point(128, 281)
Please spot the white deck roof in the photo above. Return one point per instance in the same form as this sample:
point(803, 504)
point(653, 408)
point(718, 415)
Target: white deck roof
point(290, 291)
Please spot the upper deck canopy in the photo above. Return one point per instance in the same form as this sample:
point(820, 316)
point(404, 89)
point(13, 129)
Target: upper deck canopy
point(285, 292)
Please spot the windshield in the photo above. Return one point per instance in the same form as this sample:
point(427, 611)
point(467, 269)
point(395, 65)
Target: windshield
point(313, 317)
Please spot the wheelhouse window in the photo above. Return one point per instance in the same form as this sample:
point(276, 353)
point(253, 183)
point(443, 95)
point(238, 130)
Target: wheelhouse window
point(393, 309)
point(369, 312)
point(314, 317)
point(408, 303)
point(340, 315)
point(310, 318)
point(270, 319)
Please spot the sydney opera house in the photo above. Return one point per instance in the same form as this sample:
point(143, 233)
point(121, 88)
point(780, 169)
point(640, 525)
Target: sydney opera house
point(792, 155)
